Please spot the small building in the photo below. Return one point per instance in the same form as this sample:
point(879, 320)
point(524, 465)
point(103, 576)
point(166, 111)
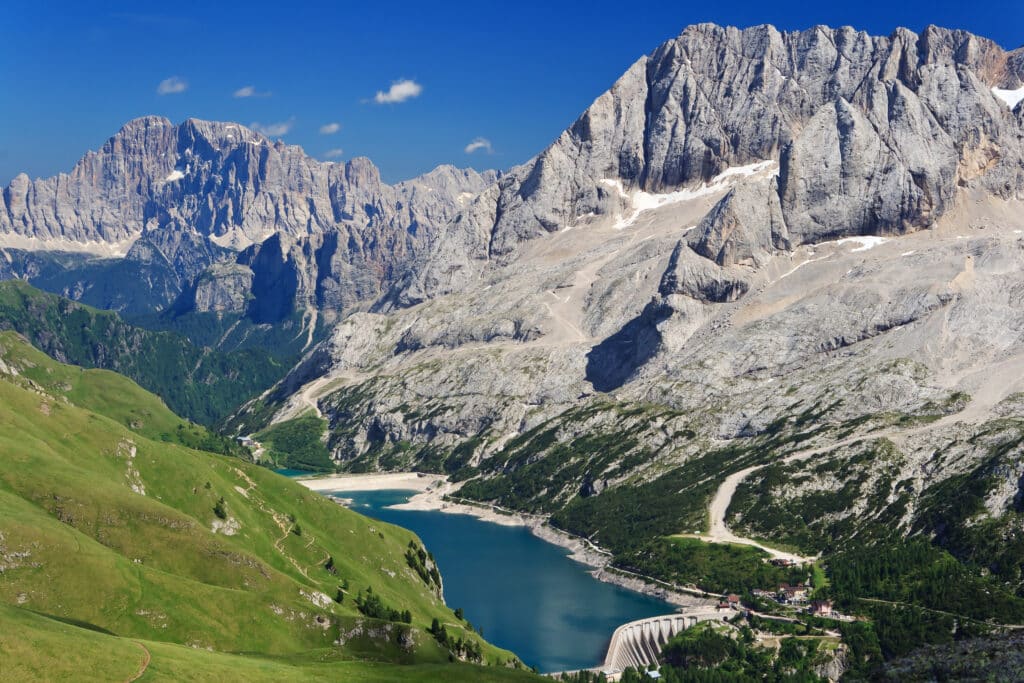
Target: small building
point(654, 674)
point(733, 600)
point(761, 593)
point(821, 608)
point(797, 593)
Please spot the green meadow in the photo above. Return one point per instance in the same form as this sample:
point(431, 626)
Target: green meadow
point(117, 539)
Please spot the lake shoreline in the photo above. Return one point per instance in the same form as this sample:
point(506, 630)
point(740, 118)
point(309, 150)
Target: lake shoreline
point(435, 493)
point(376, 481)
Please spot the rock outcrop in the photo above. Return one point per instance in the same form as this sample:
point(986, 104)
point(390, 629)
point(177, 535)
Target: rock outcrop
point(223, 287)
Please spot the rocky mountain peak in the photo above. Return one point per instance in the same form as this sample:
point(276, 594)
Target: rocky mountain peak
point(182, 197)
point(213, 136)
point(872, 134)
point(140, 128)
point(361, 172)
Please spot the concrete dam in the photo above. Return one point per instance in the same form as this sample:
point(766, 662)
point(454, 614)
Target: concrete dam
point(638, 643)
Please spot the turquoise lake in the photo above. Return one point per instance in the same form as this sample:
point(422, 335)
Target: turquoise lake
point(527, 595)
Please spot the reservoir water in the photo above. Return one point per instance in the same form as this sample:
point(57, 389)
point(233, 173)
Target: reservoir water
point(526, 594)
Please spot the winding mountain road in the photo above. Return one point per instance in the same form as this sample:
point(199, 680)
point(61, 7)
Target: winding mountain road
point(997, 383)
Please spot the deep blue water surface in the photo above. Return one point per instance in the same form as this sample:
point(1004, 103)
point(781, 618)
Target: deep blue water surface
point(527, 594)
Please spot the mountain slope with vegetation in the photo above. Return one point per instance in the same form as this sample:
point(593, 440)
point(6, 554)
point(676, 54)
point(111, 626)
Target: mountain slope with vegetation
point(199, 382)
point(111, 534)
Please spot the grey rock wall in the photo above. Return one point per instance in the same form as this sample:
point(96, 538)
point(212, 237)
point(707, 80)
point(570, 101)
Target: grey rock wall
point(873, 135)
point(193, 194)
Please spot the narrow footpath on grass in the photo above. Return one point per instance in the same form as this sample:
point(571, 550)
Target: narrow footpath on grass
point(146, 658)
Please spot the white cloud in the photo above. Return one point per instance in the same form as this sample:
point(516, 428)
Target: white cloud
point(400, 91)
point(330, 128)
point(273, 130)
point(479, 143)
point(172, 86)
point(250, 91)
point(334, 153)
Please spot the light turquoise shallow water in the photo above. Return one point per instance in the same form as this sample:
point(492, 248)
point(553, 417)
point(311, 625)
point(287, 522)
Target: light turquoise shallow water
point(527, 594)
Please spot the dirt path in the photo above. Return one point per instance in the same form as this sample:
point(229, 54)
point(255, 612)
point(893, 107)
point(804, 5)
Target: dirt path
point(286, 530)
point(308, 396)
point(720, 533)
point(282, 522)
point(939, 611)
point(991, 392)
point(565, 328)
point(146, 658)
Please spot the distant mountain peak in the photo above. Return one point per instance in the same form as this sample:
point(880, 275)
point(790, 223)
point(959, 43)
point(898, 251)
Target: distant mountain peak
point(185, 195)
point(872, 134)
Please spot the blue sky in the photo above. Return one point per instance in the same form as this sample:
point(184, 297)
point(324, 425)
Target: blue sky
point(513, 73)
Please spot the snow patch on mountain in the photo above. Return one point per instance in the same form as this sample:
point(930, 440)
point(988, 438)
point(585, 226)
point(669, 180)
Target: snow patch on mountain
point(1010, 97)
point(641, 201)
point(865, 241)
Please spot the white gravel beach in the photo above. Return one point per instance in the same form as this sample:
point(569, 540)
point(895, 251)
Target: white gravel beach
point(408, 481)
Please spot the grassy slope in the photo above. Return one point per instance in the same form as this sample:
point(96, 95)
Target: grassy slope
point(200, 383)
point(78, 543)
point(109, 394)
point(34, 647)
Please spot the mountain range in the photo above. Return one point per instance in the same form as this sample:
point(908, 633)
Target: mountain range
point(224, 219)
point(792, 261)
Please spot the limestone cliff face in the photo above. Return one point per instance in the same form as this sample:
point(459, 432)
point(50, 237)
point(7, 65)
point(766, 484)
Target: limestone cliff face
point(873, 135)
point(183, 197)
point(104, 197)
point(224, 288)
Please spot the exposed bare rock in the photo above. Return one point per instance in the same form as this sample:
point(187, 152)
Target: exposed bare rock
point(803, 231)
point(223, 287)
point(745, 227)
point(700, 279)
point(104, 198)
point(175, 199)
point(873, 135)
